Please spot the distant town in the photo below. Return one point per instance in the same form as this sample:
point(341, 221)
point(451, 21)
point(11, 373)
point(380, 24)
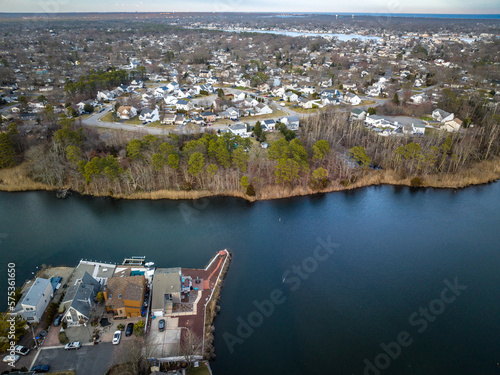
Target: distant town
point(431, 88)
point(141, 317)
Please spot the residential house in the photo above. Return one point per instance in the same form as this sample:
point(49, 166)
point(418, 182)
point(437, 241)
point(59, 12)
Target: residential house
point(291, 122)
point(179, 120)
point(208, 116)
point(33, 303)
point(171, 100)
point(167, 288)
point(168, 119)
point(238, 96)
point(290, 96)
point(105, 95)
point(263, 109)
point(149, 115)
point(442, 116)
point(183, 105)
point(269, 124)
point(239, 129)
point(160, 92)
point(452, 126)
point(419, 98)
point(124, 296)
point(79, 300)
point(233, 113)
point(358, 114)
point(351, 98)
point(126, 112)
point(136, 84)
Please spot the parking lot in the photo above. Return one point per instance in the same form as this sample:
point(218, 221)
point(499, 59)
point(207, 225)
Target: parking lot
point(165, 344)
point(78, 360)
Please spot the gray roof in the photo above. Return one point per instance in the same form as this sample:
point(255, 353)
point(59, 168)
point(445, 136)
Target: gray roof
point(84, 297)
point(36, 291)
point(165, 281)
point(72, 291)
point(238, 126)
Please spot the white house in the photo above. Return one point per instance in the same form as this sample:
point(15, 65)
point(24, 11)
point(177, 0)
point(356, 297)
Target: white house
point(149, 115)
point(291, 122)
point(160, 92)
point(263, 109)
point(183, 105)
point(290, 96)
point(239, 129)
point(105, 95)
point(442, 116)
point(352, 99)
point(238, 96)
point(33, 304)
point(136, 84)
point(269, 124)
point(171, 100)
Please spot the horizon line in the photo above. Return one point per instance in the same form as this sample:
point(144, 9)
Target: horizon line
point(251, 12)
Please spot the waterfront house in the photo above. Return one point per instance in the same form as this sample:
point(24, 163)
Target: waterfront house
point(166, 290)
point(124, 295)
point(80, 299)
point(34, 302)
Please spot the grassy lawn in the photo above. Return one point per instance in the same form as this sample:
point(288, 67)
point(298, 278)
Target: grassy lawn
point(202, 370)
point(108, 117)
point(368, 102)
point(133, 121)
point(427, 118)
point(278, 113)
point(225, 121)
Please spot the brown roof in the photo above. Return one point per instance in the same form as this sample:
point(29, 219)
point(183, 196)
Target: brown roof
point(129, 287)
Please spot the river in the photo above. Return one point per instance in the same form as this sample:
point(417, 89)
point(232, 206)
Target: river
point(377, 265)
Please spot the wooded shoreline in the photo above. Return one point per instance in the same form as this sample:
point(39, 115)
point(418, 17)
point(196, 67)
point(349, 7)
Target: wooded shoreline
point(16, 179)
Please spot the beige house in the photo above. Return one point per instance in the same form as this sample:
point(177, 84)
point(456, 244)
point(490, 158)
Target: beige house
point(452, 126)
point(126, 112)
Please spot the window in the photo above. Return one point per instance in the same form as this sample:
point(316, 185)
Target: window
point(119, 296)
point(110, 296)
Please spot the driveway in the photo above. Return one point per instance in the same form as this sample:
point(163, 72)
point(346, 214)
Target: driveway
point(89, 359)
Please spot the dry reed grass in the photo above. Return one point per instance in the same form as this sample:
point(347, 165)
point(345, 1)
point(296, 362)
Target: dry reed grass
point(17, 179)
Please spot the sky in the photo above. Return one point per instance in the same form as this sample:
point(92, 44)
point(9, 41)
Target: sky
point(359, 6)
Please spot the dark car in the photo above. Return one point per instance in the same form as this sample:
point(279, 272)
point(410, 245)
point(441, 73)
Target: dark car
point(130, 329)
point(57, 320)
point(161, 325)
point(40, 368)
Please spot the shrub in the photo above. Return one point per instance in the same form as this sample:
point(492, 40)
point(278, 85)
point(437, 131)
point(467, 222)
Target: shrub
point(121, 327)
point(139, 328)
point(63, 338)
point(416, 181)
point(250, 191)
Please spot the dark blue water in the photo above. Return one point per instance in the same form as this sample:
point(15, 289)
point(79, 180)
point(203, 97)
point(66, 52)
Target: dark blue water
point(388, 253)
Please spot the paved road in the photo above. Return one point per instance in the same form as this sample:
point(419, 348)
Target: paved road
point(93, 359)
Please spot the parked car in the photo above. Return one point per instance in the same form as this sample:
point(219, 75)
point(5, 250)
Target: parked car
point(130, 329)
point(72, 345)
point(19, 349)
point(161, 325)
point(58, 320)
point(116, 337)
point(40, 368)
point(11, 358)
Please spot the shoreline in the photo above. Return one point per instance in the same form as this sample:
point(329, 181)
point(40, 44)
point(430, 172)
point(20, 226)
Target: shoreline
point(481, 173)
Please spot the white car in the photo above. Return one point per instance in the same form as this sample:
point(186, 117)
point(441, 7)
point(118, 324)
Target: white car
point(116, 337)
point(73, 345)
point(19, 349)
point(11, 358)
